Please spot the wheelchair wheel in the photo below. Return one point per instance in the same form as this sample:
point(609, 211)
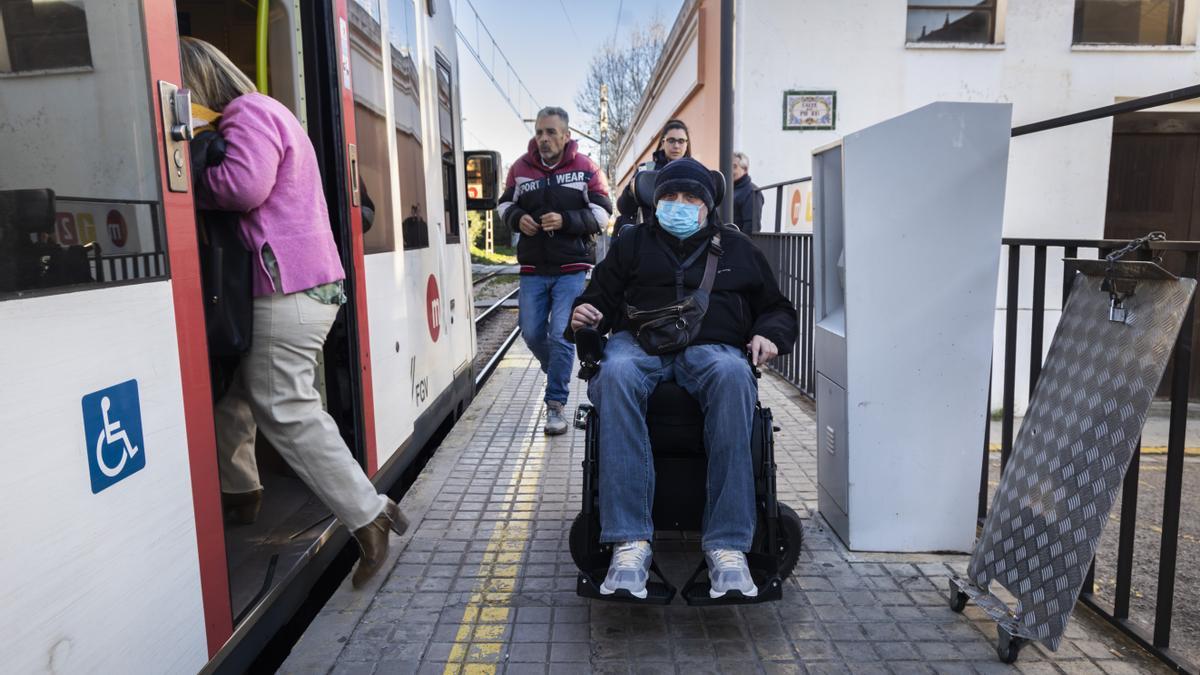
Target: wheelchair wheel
point(790, 538)
point(584, 547)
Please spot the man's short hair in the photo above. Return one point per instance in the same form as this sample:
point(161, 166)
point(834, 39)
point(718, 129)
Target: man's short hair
point(742, 159)
point(556, 111)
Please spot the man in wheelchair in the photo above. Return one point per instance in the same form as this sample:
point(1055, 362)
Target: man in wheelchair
point(681, 252)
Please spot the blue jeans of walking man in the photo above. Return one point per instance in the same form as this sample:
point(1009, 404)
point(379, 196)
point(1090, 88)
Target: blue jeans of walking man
point(545, 309)
point(718, 376)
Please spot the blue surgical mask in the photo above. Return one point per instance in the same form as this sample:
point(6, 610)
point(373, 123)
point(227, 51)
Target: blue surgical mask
point(679, 218)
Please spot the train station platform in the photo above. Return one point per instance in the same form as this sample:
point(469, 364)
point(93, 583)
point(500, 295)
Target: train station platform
point(483, 582)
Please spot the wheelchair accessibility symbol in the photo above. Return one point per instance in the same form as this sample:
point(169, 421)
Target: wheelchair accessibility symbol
point(112, 425)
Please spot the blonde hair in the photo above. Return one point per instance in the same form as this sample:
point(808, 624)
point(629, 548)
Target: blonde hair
point(213, 79)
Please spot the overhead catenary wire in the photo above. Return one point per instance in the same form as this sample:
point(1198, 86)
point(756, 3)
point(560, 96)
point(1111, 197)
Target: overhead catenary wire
point(514, 94)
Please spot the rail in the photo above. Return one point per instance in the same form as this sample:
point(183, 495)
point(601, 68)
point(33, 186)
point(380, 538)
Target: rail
point(1158, 638)
point(494, 361)
point(791, 259)
point(778, 188)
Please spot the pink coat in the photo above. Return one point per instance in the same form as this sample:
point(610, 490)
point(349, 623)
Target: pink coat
point(270, 176)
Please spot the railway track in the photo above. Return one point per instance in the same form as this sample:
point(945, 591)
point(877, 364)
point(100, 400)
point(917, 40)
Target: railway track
point(496, 329)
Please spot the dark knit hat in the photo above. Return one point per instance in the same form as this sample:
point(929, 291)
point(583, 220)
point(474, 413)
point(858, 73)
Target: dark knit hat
point(686, 175)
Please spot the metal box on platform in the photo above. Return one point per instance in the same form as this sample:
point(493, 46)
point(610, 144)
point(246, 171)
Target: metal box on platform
point(907, 218)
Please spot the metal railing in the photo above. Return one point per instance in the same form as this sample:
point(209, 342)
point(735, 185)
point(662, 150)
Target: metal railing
point(791, 260)
point(1158, 638)
point(778, 188)
point(790, 257)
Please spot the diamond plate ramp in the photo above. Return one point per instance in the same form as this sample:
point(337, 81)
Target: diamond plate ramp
point(1072, 451)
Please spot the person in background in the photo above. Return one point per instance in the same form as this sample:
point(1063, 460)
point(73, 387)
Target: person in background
point(673, 142)
point(747, 200)
point(269, 175)
point(558, 198)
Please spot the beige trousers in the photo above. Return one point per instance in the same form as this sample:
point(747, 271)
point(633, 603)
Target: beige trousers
point(273, 391)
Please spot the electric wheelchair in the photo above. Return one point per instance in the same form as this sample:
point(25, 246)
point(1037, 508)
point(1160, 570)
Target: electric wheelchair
point(676, 425)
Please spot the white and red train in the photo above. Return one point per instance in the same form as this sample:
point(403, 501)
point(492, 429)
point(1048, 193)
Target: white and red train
point(114, 556)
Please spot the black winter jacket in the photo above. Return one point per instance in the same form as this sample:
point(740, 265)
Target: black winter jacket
point(576, 189)
point(747, 205)
point(745, 301)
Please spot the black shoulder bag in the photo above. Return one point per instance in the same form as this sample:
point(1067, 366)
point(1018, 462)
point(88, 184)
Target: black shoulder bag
point(671, 328)
point(226, 265)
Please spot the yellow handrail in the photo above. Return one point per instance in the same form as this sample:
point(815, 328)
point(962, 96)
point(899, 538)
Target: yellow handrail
point(260, 53)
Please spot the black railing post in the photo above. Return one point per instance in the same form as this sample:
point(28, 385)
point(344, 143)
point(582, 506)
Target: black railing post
point(1129, 495)
point(1038, 317)
point(1172, 491)
point(779, 209)
point(1010, 353)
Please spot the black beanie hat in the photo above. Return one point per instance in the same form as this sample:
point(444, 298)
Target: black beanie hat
point(686, 175)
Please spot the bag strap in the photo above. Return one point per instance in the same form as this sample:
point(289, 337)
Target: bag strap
point(710, 266)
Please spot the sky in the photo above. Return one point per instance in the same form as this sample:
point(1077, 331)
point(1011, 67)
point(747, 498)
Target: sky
point(550, 44)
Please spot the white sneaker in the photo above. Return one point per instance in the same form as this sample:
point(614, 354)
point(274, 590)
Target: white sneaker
point(556, 422)
point(727, 570)
point(629, 569)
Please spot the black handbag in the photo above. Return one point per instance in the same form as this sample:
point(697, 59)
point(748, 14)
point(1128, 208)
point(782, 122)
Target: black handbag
point(226, 265)
point(227, 279)
point(672, 328)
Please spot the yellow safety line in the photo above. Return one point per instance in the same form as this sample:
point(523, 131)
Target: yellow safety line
point(480, 640)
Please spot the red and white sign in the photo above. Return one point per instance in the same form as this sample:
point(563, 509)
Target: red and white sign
point(433, 308)
point(118, 231)
point(111, 225)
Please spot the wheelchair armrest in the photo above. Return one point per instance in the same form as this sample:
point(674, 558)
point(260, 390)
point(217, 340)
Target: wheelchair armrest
point(589, 344)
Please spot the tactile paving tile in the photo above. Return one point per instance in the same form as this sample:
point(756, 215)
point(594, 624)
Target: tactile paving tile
point(1072, 451)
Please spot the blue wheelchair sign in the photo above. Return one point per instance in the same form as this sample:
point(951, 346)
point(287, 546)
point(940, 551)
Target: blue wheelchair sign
point(112, 430)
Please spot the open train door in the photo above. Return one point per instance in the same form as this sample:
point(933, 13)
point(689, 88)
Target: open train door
point(113, 558)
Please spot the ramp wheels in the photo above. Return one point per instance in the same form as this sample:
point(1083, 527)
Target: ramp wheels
point(1008, 646)
point(958, 599)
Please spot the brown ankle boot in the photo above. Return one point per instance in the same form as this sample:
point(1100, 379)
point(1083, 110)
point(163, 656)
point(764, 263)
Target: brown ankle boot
point(241, 508)
point(373, 542)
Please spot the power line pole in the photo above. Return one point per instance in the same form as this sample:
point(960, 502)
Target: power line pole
point(605, 155)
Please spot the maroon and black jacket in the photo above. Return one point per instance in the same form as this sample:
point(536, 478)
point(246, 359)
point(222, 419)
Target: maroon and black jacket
point(575, 188)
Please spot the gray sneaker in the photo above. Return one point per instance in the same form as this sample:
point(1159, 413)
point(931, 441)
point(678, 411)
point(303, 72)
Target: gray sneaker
point(727, 570)
point(629, 569)
point(556, 422)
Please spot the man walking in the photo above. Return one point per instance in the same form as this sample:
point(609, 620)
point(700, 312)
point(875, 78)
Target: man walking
point(558, 199)
point(747, 201)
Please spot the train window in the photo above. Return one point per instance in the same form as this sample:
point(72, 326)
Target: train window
point(448, 149)
point(406, 108)
point(41, 35)
point(82, 207)
point(370, 121)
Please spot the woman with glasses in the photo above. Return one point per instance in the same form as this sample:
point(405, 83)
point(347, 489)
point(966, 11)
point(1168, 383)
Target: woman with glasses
point(674, 142)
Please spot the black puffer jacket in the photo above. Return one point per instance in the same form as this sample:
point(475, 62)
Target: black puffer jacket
point(576, 189)
point(746, 300)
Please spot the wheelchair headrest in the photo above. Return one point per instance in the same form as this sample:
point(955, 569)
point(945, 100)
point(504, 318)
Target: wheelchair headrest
point(643, 188)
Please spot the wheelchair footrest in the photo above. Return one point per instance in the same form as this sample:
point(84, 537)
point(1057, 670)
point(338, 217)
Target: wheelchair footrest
point(766, 578)
point(587, 585)
point(657, 592)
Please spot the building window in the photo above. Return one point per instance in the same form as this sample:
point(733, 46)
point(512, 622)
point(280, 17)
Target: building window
point(951, 21)
point(43, 35)
point(1128, 22)
point(449, 150)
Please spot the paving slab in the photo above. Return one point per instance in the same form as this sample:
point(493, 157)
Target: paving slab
point(484, 583)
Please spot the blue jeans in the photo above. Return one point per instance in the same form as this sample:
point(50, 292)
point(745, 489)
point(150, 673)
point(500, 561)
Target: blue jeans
point(719, 378)
point(545, 309)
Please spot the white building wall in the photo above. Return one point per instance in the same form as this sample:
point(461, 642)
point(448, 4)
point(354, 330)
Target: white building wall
point(1057, 180)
